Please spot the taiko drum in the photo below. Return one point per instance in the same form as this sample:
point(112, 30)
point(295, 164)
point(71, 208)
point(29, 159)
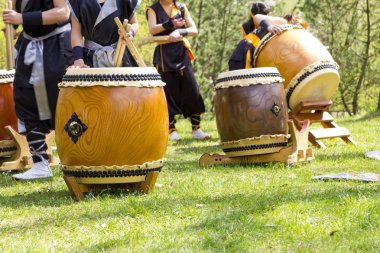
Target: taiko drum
point(7, 107)
point(111, 124)
point(309, 71)
point(251, 111)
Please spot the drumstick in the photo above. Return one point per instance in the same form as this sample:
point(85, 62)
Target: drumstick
point(153, 39)
point(120, 56)
point(9, 40)
point(130, 45)
point(119, 43)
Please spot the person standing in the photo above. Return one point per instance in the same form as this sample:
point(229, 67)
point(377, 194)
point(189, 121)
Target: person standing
point(44, 54)
point(93, 20)
point(173, 61)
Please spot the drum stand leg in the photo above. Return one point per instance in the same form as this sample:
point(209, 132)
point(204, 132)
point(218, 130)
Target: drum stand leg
point(317, 112)
point(15, 155)
point(78, 190)
point(298, 151)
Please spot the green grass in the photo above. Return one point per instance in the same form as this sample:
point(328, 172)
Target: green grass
point(262, 208)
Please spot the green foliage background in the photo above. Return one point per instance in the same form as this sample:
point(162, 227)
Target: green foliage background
point(341, 25)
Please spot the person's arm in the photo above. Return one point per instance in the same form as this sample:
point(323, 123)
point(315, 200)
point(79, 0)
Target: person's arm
point(190, 30)
point(134, 26)
point(269, 23)
point(77, 44)
point(154, 28)
point(60, 13)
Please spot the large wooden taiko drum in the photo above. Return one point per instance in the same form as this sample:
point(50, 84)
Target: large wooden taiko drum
point(251, 111)
point(7, 106)
point(309, 71)
point(111, 124)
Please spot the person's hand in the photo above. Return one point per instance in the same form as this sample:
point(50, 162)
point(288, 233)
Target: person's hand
point(78, 64)
point(275, 29)
point(130, 36)
point(180, 22)
point(174, 36)
point(12, 17)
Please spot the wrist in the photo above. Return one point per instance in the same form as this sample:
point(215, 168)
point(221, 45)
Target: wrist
point(32, 18)
point(168, 24)
point(77, 53)
point(183, 32)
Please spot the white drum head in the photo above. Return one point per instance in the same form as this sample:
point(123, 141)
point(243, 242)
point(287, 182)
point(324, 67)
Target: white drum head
point(320, 85)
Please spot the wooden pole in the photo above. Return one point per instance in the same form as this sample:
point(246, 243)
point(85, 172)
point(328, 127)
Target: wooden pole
point(119, 59)
point(119, 44)
point(9, 40)
point(135, 53)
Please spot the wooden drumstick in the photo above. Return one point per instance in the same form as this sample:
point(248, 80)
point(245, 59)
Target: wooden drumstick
point(119, 59)
point(119, 43)
point(135, 53)
point(153, 39)
point(9, 40)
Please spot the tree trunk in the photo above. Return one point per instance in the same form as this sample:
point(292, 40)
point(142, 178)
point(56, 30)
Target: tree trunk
point(355, 107)
point(378, 104)
point(200, 8)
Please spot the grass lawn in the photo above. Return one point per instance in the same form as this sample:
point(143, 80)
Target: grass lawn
point(262, 208)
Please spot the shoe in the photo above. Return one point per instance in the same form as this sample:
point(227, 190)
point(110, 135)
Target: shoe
point(39, 170)
point(173, 136)
point(200, 135)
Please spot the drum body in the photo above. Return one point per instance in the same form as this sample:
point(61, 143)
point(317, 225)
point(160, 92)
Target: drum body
point(7, 105)
point(309, 71)
point(111, 124)
point(251, 111)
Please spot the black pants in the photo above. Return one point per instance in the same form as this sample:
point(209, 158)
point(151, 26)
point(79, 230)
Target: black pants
point(182, 93)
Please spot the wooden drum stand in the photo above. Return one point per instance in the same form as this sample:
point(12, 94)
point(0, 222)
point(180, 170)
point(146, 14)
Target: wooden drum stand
point(317, 112)
point(15, 155)
point(296, 151)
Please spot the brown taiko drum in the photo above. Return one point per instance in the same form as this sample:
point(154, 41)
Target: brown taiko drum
point(7, 106)
point(251, 111)
point(111, 124)
point(309, 71)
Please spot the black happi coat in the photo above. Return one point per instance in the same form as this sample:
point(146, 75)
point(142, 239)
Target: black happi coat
point(242, 57)
point(98, 25)
point(172, 56)
point(56, 58)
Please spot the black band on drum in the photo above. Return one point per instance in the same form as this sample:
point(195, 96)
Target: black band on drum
point(255, 147)
point(247, 76)
point(110, 173)
point(111, 77)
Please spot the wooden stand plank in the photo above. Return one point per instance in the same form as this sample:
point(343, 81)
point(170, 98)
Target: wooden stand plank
point(317, 112)
point(20, 158)
point(298, 151)
point(78, 190)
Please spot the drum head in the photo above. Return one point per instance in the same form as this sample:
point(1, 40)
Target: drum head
point(248, 77)
point(112, 77)
point(318, 86)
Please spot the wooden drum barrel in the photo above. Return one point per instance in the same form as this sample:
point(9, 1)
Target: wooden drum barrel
point(309, 71)
point(111, 124)
point(7, 106)
point(251, 111)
